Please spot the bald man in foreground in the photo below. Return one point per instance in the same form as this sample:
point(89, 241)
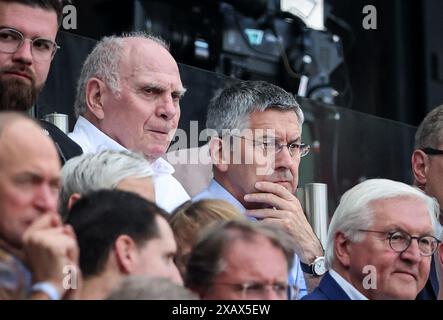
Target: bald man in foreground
point(35, 247)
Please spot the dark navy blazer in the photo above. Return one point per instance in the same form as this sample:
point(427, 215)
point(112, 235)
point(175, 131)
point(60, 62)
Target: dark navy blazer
point(430, 291)
point(328, 289)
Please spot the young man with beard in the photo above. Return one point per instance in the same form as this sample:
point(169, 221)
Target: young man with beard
point(27, 46)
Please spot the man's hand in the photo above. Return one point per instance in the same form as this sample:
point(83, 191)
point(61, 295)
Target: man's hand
point(49, 247)
point(286, 212)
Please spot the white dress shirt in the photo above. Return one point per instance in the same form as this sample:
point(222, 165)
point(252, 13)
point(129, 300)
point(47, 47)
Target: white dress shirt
point(348, 288)
point(169, 193)
point(217, 191)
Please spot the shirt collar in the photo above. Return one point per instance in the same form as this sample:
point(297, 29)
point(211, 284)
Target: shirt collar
point(216, 188)
point(104, 142)
point(101, 140)
point(348, 288)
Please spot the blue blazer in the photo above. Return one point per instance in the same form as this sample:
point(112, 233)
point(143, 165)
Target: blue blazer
point(328, 289)
point(430, 291)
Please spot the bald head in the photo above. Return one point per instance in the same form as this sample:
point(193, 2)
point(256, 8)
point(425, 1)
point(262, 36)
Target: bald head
point(19, 133)
point(29, 175)
point(7, 118)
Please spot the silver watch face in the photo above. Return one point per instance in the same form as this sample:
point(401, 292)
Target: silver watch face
point(320, 267)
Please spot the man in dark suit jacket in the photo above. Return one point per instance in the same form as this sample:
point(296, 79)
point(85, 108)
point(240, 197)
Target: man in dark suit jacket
point(27, 47)
point(380, 243)
point(427, 161)
point(66, 148)
point(328, 289)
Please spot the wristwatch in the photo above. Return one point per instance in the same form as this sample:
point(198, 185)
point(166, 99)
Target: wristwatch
point(316, 268)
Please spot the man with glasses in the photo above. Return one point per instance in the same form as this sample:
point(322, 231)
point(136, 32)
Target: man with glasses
point(380, 242)
point(427, 168)
point(256, 154)
point(27, 46)
point(241, 260)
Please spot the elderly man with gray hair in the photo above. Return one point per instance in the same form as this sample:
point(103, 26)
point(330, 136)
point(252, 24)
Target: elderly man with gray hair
point(128, 98)
point(108, 169)
point(256, 154)
point(380, 243)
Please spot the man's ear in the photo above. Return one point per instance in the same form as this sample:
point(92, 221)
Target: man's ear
point(94, 97)
point(73, 199)
point(341, 249)
point(420, 165)
point(220, 153)
point(125, 253)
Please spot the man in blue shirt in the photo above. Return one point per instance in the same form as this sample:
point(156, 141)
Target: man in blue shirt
point(256, 150)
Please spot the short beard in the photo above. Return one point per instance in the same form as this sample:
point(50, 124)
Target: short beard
point(15, 95)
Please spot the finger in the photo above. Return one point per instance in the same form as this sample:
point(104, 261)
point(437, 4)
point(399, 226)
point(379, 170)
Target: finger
point(53, 239)
point(69, 231)
point(40, 231)
point(265, 213)
point(269, 199)
point(275, 188)
point(47, 220)
point(273, 222)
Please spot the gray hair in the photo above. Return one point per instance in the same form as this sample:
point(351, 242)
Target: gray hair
point(430, 131)
point(104, 63)
point(206, 258)
point(104, 170)
point(355, 211)
point(146, 288)
point(230, 107)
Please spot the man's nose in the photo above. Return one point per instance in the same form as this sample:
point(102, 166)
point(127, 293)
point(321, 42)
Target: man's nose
point(284, 158)
point(412, 253)
point(167, 109)
point(24, 53)
point(45, 199)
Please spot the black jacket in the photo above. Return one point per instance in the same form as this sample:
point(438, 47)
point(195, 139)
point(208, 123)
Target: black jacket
point(66, 148)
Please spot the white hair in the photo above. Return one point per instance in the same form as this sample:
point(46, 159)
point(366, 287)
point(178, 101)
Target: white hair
point(104, 62)
point(355, 212)
point(104, 170)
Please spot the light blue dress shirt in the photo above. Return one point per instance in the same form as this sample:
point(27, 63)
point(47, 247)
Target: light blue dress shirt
point(216, 191)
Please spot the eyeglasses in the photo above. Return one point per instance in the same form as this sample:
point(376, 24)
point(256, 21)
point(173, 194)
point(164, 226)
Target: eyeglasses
point(273, 147)
point(12, 40)
point(401, 240)
point(432, 151)
point(256, 290)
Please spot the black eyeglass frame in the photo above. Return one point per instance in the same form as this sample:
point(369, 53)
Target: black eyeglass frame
point(432, 151)
point(392, 233)
point(302, 148)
